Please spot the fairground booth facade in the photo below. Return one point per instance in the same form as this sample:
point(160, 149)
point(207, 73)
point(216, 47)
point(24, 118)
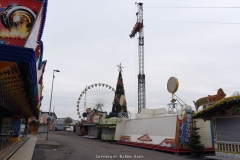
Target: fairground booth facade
point(21, 64)
point(225, 117)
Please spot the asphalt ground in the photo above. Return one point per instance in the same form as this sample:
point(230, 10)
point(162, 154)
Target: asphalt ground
point(65, 145)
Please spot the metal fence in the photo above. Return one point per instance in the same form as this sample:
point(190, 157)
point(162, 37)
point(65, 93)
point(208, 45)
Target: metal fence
point(5, 139)
point(126, 115)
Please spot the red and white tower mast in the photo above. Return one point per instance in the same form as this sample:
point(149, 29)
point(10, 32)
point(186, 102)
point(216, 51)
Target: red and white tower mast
point(141, 76)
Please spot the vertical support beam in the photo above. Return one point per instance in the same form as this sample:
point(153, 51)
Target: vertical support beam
point(85, 103)
point(141, 92)
point(26, 127)
point(141, 76)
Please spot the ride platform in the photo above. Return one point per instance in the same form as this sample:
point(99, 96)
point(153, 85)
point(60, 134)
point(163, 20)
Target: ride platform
point(161, 148)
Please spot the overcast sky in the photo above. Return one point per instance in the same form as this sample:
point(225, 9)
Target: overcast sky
point(196, 41)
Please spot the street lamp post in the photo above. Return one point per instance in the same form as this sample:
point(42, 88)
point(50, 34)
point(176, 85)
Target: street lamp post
point(48, 120)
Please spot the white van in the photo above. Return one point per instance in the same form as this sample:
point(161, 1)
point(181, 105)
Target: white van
point(69, 128)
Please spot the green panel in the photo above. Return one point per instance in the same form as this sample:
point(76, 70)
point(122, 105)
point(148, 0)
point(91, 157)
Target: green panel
point(108, 136)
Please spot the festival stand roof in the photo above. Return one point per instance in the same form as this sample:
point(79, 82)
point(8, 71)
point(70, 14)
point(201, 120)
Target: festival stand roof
point(18, 80)
point(21, 65)
point(219, 106)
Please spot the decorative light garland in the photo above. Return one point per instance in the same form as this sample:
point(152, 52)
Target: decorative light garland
point(222, 104)
point(238, 110)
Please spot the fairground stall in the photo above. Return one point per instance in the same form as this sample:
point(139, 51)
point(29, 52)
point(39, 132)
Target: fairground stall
point(97, 123)
point(21, 62)
point(107, 127)
point(88, 128)
point(161, 130)
point(225, 117)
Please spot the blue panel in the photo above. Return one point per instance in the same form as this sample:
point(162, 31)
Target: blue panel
point(41, 55)
point(212, 132)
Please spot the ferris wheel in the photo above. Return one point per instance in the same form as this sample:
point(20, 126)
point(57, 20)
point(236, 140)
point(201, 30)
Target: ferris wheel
point(97, 96)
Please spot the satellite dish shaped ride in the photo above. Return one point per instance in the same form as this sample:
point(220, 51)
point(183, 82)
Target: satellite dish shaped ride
point(172, 86)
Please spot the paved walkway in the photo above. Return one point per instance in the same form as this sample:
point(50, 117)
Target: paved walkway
point(25, 152)
point(72, 147)
point(10, 150)
point(24, 149)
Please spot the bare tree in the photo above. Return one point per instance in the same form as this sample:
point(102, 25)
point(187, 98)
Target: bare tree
point(68, 120)
point(236, 93)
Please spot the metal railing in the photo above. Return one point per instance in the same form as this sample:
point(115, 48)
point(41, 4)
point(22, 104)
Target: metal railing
point(228, 146)
point(4, 141)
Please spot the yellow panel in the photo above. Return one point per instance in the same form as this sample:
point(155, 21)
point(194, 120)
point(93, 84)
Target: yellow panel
point(4, 64)
point(14, 139)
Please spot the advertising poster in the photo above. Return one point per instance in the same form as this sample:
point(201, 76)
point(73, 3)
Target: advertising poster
point(187, 129)
point(184, 129)
point(17, 19)
point(16, 124)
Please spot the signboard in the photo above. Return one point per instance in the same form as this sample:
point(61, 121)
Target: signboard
point(16, 126)
point(145, 137)
point(184, 129)
point(170, 143)
point(210, 99)
point(172, 85)
point(96, 119)
point(125, 139)
point(89, 110)
point(17, 19)
point(187, 129)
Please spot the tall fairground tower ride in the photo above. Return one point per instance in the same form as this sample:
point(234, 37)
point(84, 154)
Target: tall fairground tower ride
point(141, 76)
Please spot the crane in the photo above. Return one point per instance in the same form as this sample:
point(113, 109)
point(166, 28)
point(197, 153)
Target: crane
point(141, 76)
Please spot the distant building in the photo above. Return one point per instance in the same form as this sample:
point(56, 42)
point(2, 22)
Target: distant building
point(43, 116)
point(59, 123)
